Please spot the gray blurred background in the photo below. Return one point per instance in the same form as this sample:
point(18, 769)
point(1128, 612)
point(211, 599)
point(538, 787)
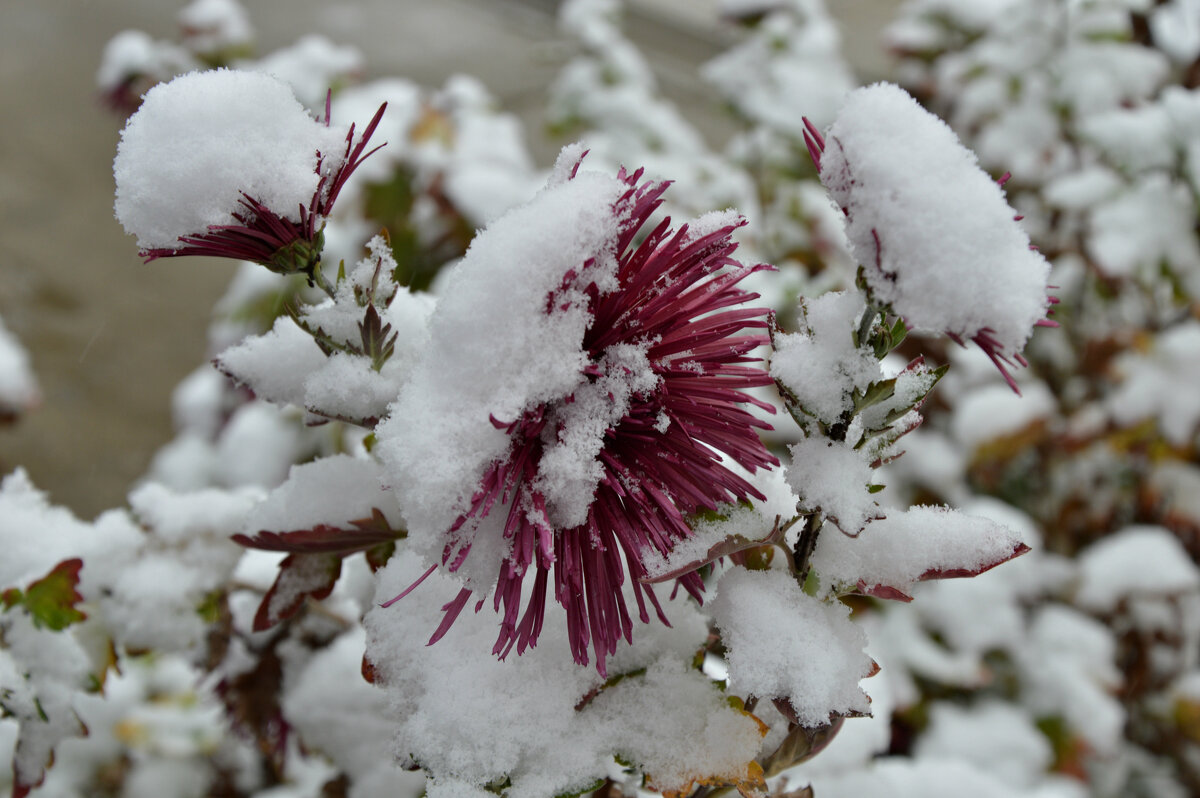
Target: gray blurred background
point(110, 337)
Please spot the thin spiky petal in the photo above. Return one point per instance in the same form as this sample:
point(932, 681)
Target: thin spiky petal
point(676, 300)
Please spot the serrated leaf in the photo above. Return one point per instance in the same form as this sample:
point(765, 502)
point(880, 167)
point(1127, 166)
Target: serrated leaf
point(51, 600)
point(300, 576)
point(363, 534)
point(875, 393)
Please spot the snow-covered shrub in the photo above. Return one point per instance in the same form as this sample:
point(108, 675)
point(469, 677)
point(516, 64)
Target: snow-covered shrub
point(546, 491)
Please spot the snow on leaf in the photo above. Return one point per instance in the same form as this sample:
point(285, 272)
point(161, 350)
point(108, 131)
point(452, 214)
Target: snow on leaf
point(51, 600)
point(749, 783)
point(366, 534)
point(300, 576)
point(892, 554)
point(782, 643)
point(725, 547)
point(34, 753)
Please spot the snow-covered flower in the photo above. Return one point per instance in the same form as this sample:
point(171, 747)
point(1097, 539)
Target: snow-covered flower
point(581, 397)
point(229, 164)
point(936, 237)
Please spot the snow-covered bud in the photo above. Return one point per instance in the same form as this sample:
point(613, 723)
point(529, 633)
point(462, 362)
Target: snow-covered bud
point(936, 237)
point(229, 164)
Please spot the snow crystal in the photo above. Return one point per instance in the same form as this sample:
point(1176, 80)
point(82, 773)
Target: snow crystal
point(1137, 561)
point(201, 140)
point(934, 233)
point(1178, 485)
point(820, 365)
point(41, 674)
point(783, 643)
point(832, 476)
point(440, 436)
point(975, 16)
point(899, 550)
point(187, 555)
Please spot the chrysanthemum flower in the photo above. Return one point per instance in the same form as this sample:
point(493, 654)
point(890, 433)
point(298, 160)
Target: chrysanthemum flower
point(937, 239)
point(583, 395)
point(229, 164)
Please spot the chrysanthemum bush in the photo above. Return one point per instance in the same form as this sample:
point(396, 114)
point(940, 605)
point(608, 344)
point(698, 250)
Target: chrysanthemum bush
point(543, 483)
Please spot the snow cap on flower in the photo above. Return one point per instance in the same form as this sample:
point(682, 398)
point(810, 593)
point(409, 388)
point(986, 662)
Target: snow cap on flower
point(229, 164)
point(936, 237)
point(574, 403)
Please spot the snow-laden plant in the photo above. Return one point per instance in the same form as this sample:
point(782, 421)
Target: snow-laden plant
point(543, 547)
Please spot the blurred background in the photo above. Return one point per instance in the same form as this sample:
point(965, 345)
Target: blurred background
point(110, 337)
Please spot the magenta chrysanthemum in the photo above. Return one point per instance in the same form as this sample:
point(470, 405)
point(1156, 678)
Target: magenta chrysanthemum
point(600, 474)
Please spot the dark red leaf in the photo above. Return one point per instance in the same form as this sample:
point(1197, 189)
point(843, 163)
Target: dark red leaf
point(300, 575)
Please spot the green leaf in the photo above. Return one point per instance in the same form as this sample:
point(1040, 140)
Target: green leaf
point(209, 609)
point(876, 392)
point(51, 600)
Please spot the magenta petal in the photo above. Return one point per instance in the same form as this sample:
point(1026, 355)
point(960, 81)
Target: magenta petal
point(677, 299)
